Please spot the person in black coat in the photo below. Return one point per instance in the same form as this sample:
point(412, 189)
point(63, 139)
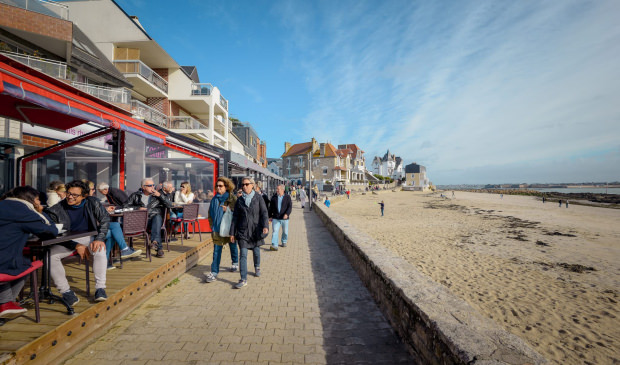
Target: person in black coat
point(249, 227)
point(279, 212)
point(114, 196)
point(20, 215)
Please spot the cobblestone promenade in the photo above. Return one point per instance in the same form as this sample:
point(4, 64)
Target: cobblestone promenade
point(308, 307)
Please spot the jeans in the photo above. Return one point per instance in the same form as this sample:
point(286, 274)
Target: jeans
point(115, 233)
point(276, 223)
point(243, 262)
point(382, 212)
point(217, 257)
point(155, 223)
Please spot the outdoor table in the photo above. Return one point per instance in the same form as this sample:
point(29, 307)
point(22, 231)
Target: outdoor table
point(46, 244)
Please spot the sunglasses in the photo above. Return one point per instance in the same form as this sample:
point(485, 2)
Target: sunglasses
point(149, 186)
point(220, 186)
point(246, 184)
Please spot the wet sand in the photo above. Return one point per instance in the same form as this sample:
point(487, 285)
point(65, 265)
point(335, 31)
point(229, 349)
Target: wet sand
point(547, 274)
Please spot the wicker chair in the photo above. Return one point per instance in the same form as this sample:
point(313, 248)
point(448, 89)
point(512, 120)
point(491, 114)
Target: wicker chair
point(135, 225)
point(190, 214)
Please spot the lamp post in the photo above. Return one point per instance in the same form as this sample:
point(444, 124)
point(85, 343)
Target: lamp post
point(310, 179)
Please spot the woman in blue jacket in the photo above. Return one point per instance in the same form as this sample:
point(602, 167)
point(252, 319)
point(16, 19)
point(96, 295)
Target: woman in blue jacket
point(20, 216)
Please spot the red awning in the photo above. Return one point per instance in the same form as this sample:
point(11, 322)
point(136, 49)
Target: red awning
point(33, 97)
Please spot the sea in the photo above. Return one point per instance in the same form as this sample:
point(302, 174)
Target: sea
point(580, 190)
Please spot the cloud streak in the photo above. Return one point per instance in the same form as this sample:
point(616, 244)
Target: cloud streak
point(466, 88)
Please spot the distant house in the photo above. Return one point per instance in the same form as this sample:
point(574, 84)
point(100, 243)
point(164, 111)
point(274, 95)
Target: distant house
point(416, 178)
point(390, 166)
point(274, 165)
point(357, 171)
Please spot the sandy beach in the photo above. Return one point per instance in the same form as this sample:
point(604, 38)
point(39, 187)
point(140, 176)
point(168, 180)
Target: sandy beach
point(547, 274)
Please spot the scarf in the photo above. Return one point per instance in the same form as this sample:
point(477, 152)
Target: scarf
point(247, 198)
point(215, 210)
point(31, 207)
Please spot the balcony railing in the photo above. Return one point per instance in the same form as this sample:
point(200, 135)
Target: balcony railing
point(45, 7)
point(203, 89)
point(138, 67)
point(185, 122)
point(52, 68)
point(119, 95)
point(219, 142)
point(224, 102)
point(143, 111)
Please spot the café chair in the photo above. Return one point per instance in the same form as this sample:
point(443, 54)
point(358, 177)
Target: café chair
point(34, 287)
point(135, 225)
point(190, 215)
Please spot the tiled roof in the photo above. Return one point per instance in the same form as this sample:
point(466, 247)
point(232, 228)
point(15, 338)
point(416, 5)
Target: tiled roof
point(330, 151)
point(298, 149)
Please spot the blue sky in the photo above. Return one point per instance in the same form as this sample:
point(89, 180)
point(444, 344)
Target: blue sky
point(477, 91)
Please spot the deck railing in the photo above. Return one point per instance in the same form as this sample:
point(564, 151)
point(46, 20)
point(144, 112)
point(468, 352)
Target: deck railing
point(113, 95)
point(223, 102)
point(203, 89)
point(54, 69)
point(186, 122)
point(143, 111)
point(138, 67)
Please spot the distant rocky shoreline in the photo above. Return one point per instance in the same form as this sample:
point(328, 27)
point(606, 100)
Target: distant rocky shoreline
point(599, 200)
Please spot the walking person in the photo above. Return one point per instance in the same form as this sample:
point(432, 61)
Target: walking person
point(382, 204)
point(566, 203)
point(560, 201)
point(302, 197)
point(223, 200)
point(249, 227)
point(279, 213)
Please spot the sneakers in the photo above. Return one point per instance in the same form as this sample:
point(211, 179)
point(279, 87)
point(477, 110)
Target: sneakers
point(70, 298)
point(273, 248)
point(110, 266)
point(257, 271)
point(160, 253)
point(129, 252)
point(241, 284)
point(210, 277)
point(10, 310)
point(100, 295)
point(234, 267)
point(283, 245)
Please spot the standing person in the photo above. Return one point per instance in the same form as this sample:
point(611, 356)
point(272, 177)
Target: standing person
point(382, 204)
point(560, 201)
point(56, 192)
point(80, 212)
point(279, 213)
point(114, 196)
point(184, 196)
point(20, 215)
point(453, 194)
point(327, 202)
point(543, 198)
point(223, 200)
point(293, 193)
point(147, 198)
point(249, 227)
point(348, 194)
point(566, 203)
point(264, 196)
point(302, 197)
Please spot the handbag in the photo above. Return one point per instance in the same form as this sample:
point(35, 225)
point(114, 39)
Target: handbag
point(225, 224)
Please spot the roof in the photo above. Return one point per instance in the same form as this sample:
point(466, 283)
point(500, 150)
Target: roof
point(298, 149)
point(340, 168)
point(191, 72)
point(330, 151)
point(352, 146)
point(414, 168)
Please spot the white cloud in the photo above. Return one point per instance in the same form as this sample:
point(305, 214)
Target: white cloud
point(463, 86)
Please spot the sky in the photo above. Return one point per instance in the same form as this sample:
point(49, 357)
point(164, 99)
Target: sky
point(477, 91)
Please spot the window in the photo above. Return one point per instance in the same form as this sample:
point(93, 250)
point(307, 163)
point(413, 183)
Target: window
point(324, 170)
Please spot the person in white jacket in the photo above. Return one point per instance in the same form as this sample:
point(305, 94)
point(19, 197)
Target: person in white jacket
point(184, 196)
point(55, 193)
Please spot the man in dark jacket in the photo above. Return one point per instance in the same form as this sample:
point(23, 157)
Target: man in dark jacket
point(279, 211)
point(80, 212)
point(114, 196)
point(153, 201)
point(249, 227)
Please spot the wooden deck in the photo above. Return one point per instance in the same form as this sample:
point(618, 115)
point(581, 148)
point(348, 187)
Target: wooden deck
point(23, 341)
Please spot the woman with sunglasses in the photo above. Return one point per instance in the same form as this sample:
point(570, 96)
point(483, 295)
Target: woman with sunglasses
point(223, 200)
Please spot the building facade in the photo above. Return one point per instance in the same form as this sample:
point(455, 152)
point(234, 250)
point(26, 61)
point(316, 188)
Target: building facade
point(389, 165)
point(416, 178)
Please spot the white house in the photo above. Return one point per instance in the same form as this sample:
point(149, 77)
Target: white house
point(390, 165)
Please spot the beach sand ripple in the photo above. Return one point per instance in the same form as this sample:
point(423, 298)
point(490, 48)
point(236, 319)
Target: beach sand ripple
point(549, 275)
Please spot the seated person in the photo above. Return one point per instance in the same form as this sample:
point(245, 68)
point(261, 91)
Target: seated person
point(155, 203)
point(80, 212)
point(184, 196)
point(20, 215)
point(56, 192)
point(114, 196)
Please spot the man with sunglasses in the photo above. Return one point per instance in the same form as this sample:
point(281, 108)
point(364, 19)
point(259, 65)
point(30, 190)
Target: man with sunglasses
point(80, 212)
point(152, 200)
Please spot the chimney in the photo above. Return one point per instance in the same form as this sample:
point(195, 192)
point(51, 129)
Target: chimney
point(315, 145)
point(287, 146)
point(322, 149)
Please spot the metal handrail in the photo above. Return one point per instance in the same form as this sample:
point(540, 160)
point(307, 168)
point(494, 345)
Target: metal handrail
point(52, 68)
point(143, 111)
point(111, 94)
point(140, 68)
point(186, 122)
point(201, 88)
point(46, 7)
point(223, 102)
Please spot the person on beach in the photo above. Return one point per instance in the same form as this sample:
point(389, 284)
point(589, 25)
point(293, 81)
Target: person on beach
point(543, 199)
point(382, 204)
point(223, 200)
point(453, 194)
point(501, 196)
point(279, 209)
point(249, 227)
point(560, 201)
point(566, 203)
point(348, 194)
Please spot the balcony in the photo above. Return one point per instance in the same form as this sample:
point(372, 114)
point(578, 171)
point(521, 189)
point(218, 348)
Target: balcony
point(187, 123)
point(201, 89)
point(223, 102)
point(45, 7)
point(118, 95)
point(145, 81)
point(51, 68)
point(220, 125)
point(143, 111)
point(219, 142)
